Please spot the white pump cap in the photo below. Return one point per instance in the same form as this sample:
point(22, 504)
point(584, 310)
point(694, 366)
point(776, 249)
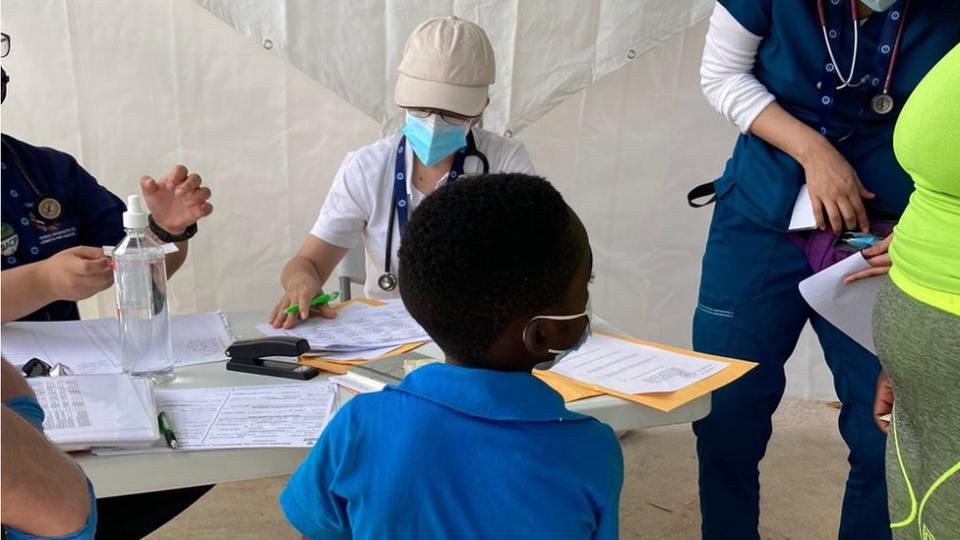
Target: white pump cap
point(136, 215)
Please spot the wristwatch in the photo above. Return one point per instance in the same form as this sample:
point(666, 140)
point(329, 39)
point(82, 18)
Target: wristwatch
point(165, 236)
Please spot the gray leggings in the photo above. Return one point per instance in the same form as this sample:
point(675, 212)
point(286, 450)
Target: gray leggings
point(919, 347)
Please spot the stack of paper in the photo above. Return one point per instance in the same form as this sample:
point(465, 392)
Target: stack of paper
point(85, 411)
point(651, 374)
point(360, 331)
point(93, 346)
point(633, 368)
point(269, 416)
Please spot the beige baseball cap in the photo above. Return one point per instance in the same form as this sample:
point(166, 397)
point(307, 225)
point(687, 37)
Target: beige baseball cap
point(447, 64)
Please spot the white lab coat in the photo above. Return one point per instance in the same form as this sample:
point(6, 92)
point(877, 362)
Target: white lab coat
point(358, 204)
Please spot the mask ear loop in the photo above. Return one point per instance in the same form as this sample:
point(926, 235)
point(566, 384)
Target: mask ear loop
point(586, 313)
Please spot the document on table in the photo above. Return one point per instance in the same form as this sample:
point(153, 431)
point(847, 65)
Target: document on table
point(358, 326)
point(270, 416)
point(93, 346)
point(82, 411)
point(802, 218)
point(848, 307)
point(634, 368)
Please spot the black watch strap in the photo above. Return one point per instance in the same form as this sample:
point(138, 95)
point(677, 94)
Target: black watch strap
point(165, 236)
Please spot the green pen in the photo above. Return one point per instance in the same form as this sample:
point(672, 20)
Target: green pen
point(166, 429)
point(317, 300)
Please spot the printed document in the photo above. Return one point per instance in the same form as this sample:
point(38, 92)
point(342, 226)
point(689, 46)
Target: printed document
point(270, 416)
point(93, 346)
point(357, 327)
point(848, 307)
point(633, 368)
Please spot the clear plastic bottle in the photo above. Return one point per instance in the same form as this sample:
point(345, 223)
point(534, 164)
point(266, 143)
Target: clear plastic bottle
point(140, 275)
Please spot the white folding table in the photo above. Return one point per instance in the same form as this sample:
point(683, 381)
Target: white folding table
point(138, 473)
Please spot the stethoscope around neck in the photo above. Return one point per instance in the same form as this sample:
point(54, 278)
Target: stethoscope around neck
point(881, 103)
point(400, 202)
point(48, 209)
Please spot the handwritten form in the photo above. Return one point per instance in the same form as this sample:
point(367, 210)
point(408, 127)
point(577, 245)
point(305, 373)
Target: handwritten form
point(271, 416)
point(93, 346)
point(633, 368)
point(848, 307)
point(357, 327)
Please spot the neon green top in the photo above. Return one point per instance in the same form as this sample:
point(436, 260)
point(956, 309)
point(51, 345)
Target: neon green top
point(926, 244)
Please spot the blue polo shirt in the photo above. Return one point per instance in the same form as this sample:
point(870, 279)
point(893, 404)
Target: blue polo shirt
point(790, 62)
point(456, 452)
point(90, 215)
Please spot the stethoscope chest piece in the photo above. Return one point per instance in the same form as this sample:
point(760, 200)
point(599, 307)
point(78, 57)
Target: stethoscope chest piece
point(387, 281)
point(881, 103)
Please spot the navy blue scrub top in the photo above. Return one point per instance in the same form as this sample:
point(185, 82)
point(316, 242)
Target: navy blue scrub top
point(90, 215)
point(790, 62)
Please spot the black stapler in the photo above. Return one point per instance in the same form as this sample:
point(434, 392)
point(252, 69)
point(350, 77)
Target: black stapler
point(248, 356)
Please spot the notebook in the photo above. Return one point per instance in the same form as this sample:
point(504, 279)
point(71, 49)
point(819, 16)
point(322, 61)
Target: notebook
point(86, 411)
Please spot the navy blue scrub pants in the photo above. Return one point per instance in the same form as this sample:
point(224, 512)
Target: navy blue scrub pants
point(750, 308)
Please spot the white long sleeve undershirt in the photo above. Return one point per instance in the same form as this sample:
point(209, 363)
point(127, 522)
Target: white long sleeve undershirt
point(726, 70)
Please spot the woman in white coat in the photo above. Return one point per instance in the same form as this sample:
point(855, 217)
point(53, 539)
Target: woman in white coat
point(443, 83)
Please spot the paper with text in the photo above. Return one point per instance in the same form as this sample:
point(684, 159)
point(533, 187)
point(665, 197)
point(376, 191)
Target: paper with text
point(633, 368)
point(357, 327)
point(848, 307)
point(270, 416)
point(93, 346)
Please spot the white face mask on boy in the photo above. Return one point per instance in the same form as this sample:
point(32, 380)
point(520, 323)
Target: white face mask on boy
point(561, 353)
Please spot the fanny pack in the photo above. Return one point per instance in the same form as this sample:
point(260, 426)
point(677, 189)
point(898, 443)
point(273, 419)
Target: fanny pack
point(824, 248)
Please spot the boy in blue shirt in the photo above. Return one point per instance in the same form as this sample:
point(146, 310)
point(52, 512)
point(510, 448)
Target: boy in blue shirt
point(495, 269)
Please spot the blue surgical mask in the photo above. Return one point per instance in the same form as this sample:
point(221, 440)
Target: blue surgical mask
point(561, 353)
point(433, 139)
point(878, 5)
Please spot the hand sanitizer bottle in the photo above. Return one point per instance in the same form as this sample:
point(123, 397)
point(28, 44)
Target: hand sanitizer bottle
point(140, 275)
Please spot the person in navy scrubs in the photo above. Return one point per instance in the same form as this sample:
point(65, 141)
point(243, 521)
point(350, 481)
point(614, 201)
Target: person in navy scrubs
point(56, 219)
point(815, 86)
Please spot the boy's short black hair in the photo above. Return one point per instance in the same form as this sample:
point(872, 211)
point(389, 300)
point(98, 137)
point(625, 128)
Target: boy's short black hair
point(482, 251)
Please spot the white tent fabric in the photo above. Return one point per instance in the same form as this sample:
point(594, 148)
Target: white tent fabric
point(133, 88)
point(354, 48)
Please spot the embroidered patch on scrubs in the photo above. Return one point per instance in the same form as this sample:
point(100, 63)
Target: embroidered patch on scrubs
point(11, 240)
point(49, 208)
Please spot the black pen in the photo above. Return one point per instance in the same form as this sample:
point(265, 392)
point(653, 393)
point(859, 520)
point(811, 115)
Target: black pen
point(166, 428)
